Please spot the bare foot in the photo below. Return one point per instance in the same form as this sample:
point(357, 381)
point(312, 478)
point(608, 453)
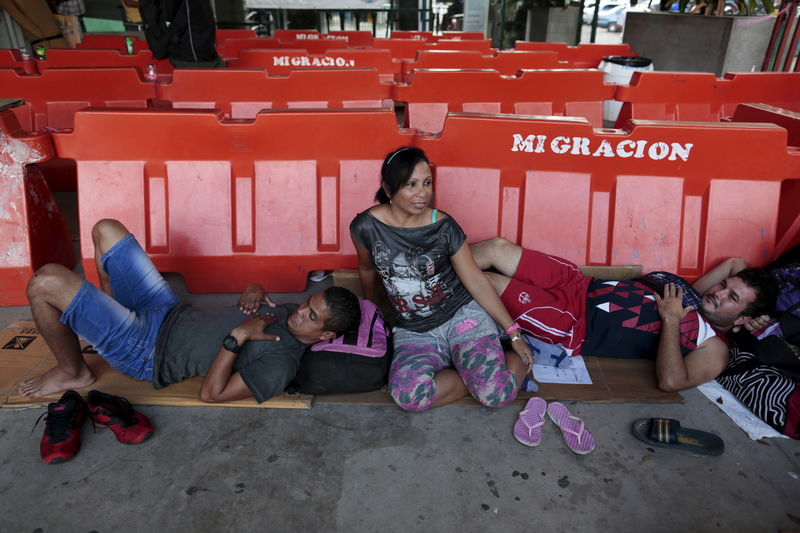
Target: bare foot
point(55, 380)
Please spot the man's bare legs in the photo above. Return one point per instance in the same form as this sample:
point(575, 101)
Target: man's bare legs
point(50, 291)
point(498, 253)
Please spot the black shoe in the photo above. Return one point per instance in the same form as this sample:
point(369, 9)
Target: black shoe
point(114, 412)
point(62, 428)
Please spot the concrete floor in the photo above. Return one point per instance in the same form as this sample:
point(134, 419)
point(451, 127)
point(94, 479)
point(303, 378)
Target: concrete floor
point(376, 468)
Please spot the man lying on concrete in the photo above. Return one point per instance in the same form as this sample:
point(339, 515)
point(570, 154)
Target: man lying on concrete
point(138, 325)
point(660, 314)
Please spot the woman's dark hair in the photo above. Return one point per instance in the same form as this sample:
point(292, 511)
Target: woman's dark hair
point(396, 171)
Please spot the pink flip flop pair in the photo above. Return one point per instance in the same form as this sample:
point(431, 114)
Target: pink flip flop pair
point(528, 428)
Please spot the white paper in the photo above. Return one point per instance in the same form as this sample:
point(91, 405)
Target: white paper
point(553, 365)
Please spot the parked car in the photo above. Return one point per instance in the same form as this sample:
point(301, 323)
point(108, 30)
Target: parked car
point(608, 13)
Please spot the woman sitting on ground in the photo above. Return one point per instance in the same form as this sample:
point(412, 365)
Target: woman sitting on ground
point(445, 343)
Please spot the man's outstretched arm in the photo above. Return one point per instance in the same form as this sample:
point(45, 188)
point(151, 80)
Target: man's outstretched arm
point(729, 267)
point(674, 371)
point(221, 383)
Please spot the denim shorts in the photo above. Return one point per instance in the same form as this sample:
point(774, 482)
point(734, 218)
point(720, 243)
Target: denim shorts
point(123, 329)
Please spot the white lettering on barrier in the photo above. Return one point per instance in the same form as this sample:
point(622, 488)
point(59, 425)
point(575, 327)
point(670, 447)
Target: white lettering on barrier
point(305, 61)
point(583, 146)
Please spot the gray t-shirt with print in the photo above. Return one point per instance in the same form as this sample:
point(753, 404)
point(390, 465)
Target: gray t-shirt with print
point(414, 266)
point(191, 337)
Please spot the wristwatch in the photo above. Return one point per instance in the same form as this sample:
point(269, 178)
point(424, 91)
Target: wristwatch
point(231, 344)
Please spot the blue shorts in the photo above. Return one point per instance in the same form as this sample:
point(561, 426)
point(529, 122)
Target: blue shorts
point(123, 329)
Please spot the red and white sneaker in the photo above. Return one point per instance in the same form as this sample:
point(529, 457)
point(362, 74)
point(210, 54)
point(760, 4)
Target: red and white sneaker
point(114, 412)
point(62, 428)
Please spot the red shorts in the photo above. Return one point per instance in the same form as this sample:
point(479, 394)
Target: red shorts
point(547, 298)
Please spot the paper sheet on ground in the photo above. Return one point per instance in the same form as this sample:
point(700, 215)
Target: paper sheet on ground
point(737, 411)
point(553, 365)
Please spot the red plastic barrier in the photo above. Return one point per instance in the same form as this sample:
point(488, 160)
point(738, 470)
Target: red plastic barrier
point(52, 97)
point(232, 47)
point(112, 42)
point(463, 35)
point(581, 56)
point(702, 96)
point(408, 48)
point(223, 34)
point(84, 57)
point(228, 203)
point(292, 35)
point(10, 58)
point(789, 120)
point(676, 197)
point(211, 203)
point(281, 62)
point(432, 93)
point(789, 221)
point(431, 38)
point(33, 232)
point(355, 38)
point(507, 62)
point(241, 94)
point(483, 45)
point(402, 48)
point(426, 36)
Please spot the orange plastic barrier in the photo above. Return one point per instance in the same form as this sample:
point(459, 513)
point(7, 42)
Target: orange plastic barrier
point(232, 47)
point(349, 38)
point(581, 56)
point(669, 196)
point(281, 62)
point(223, 34)
point(241, 94)
point(432, 93)
point(788, 222)
point(355, 38)
point(426, 36)
point(33, 232)
point(211, 203)
point(225, 203)
point(52, 97)
point(408, 48)
point(84, 57)
point(431, 38)
point(702, 96)
point(507, 62)
point(464, 35)
point(293, 35)
point(789, 120)
point(10, 58)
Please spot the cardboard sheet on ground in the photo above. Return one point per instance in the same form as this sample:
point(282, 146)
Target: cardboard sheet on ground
point(24, 354)
point(613, 380)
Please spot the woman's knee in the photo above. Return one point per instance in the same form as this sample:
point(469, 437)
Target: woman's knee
point(107, 232)
point(415, 395)
point(498, 396)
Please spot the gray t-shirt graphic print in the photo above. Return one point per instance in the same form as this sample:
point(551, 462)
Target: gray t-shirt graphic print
point(414, 266)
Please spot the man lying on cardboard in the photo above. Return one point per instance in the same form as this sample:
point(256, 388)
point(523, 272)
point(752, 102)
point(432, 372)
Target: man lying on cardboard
point(684, 326)
point(139, 326)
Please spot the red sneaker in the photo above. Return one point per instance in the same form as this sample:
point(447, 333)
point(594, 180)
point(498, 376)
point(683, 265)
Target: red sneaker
point(114, 412)
point(62, 428)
